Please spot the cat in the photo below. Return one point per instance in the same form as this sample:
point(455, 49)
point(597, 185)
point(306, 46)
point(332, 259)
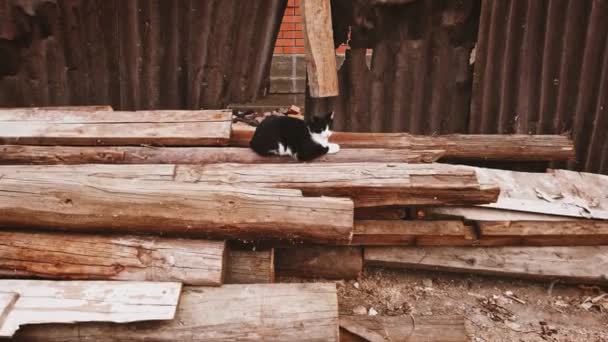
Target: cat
point(302, 140)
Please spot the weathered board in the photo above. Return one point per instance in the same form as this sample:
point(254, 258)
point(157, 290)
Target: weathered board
point(44, 155)
point(500, 147)
point(587, 264)
point(368, 184)
point(69, 127)
point(412, 232)
point(42, 301)
point(145, 198)
point(107, 257)
point(260, 312)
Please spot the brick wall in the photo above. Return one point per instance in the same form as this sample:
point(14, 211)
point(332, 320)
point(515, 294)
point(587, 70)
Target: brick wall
point(291, 39)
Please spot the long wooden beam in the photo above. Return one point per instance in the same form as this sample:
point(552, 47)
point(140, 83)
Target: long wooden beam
point(22, 154)
point(105, 257)
point(69, 127)
point(319, 45)
point(259, 312)
point(368, 184)
point(149, 200)
point(412, 232)
point(499, 147)
point(403, 328)
point(586, 264)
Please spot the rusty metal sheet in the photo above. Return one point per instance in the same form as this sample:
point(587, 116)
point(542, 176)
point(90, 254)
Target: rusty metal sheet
point(136, 54)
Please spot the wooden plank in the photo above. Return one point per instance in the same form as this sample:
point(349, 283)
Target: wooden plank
point(42, 301)
point(328, 262)
point(7, 303)
point(588, 264)
point(103, 257)
point(64, 108)
point(145, 198)
point(538, 233)
point(319, 45)
point(368, 184)
point(487, 214)
point(21, 154)
point(250, 266)
point(404, 329)
point(499, 147)
point(412, 232)
point(166, 128)
point(260, 312)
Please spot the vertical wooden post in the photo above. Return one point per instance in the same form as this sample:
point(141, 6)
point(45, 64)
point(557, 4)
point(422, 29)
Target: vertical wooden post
point(319, 45)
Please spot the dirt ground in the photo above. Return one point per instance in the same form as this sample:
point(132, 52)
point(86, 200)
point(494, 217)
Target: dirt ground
point(540, 311)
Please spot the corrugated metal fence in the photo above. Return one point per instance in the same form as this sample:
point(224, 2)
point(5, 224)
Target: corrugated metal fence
point(470, 66)
point(136, 54)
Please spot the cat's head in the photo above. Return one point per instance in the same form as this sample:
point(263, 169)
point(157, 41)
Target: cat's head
point(321, 123)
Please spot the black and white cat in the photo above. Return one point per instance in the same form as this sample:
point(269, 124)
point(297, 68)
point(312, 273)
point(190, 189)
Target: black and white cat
point(303, 140)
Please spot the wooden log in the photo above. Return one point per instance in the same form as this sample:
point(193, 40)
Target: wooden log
point(328, 262)
point(380, 213)
point(7, 303)
point(412, 232)
point(403, 329)
point(368, 184)
point(538, 233)
point(249, 266)
point(166, 128)
point(260, 312)
point(498, 147)
point(101, 257)
point(42, 301)
point(572, 264)
point(21, 154)
point(103, 202)
point(319, 45)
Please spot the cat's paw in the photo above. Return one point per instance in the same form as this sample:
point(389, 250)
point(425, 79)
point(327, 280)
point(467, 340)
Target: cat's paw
point(333, 148)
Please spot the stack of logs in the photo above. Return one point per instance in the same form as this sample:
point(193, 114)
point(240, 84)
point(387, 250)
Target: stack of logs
point(76, 183)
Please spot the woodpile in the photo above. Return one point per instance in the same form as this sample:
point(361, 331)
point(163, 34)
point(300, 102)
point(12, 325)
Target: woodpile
point(105, 214)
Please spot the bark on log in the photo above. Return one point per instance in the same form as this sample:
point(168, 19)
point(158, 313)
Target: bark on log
point(165, 128)
point(247, 266)
point(42, 301)
point(326, 262)
point(537, 233)
point(100, 202)
point(412, 232)
point(403, 329)
point(319, 45)
point(498, 147)
point(262, 312)
point(21, 154)
point(587, 264)
point(368, 184)
point(100, 257)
